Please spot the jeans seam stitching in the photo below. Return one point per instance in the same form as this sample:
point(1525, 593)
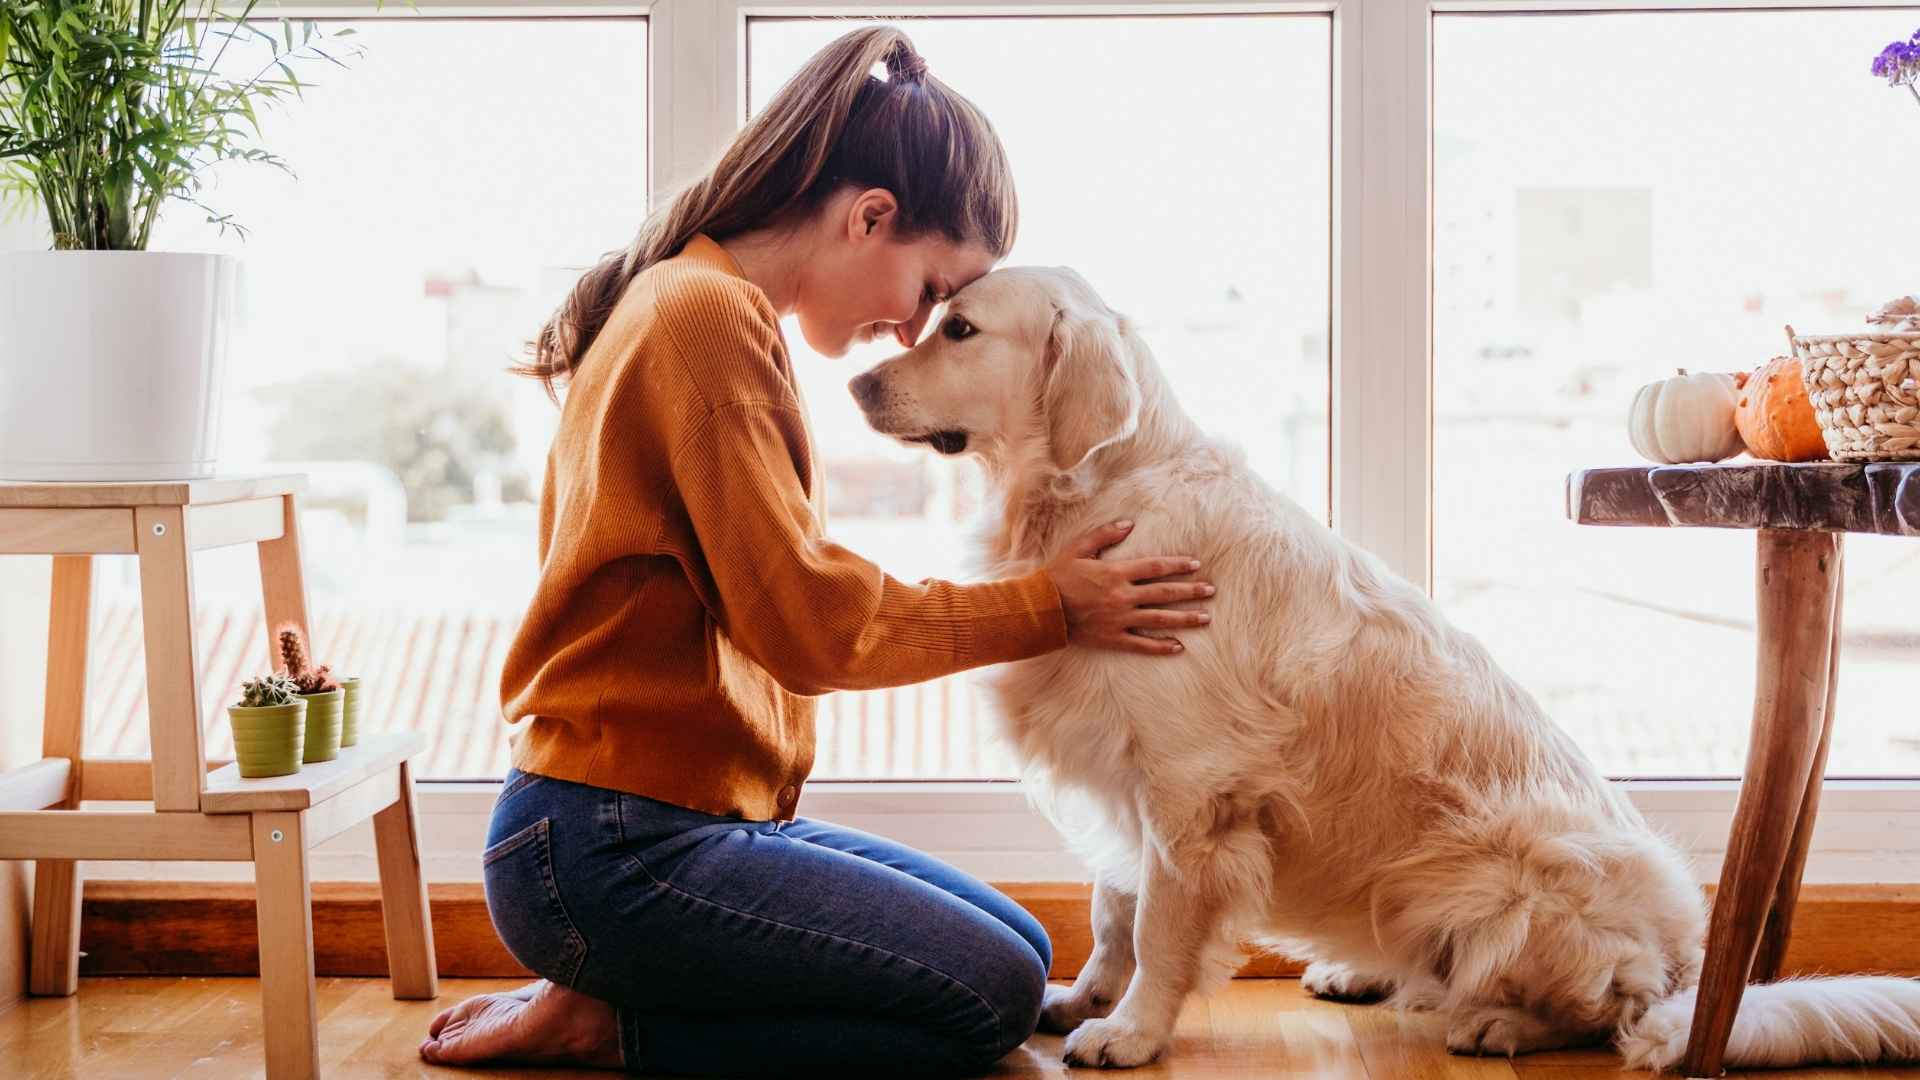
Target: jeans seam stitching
point(520, 783)
point(629, 1037)
point(620, 827)
point(510, 845)
point(950, 977)
point(579, 941)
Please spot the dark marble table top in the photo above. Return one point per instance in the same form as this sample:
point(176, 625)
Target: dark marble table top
point(1879, 498)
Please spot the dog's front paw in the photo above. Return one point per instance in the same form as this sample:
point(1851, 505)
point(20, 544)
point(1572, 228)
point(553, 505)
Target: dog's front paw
point(1112, 1043)
point(1338, 982)
point(1065, 1007)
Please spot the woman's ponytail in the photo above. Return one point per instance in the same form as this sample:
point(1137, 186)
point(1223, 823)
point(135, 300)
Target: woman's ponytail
point(832, 124)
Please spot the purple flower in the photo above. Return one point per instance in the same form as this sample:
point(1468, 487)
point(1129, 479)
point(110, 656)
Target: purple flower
point(1899, 62)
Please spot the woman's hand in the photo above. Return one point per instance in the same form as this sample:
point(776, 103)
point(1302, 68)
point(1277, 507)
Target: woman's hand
point(1105, 602)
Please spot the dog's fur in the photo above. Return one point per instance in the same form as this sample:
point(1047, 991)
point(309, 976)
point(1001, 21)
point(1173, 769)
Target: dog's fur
point(1331, 769)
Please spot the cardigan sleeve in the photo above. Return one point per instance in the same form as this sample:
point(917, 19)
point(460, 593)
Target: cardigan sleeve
point(814, 614)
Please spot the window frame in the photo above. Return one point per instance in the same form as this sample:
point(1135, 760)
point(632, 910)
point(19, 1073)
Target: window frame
point(1381, 472)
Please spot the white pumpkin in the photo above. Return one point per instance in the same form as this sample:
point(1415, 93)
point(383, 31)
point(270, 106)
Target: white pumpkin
point(1686, 418)
point(1901, 315)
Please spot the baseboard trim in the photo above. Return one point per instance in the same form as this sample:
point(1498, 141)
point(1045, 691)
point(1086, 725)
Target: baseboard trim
point(208, 928)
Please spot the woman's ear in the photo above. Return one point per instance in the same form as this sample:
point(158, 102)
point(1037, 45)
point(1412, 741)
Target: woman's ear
point(873, 212)
point(1091, 397)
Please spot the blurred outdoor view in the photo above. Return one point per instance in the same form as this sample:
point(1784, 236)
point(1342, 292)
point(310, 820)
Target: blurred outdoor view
point(452, 182)
point(456, 180)
point(1608, 207)
point(1618, 196)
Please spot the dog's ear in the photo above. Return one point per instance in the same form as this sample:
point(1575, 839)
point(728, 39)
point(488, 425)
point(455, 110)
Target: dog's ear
point(1091, 396)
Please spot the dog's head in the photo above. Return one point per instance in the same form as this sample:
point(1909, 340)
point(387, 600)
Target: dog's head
point(1022, 356)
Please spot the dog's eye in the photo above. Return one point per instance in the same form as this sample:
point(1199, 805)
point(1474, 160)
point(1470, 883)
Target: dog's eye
point(957, 328)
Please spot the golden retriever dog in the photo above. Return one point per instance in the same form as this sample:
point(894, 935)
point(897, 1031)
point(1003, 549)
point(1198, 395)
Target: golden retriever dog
point(1333, 770)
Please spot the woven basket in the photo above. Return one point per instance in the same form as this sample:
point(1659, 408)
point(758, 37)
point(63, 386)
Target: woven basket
point(1865, 390)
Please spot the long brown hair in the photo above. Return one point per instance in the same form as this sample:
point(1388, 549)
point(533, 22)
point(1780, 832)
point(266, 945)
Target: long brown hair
point(832, 125)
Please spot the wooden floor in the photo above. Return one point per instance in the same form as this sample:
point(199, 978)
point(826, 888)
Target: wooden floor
point(1259, 1029)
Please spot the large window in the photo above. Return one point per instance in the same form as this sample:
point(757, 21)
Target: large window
point(1617, 196)
point(1182, 165)
point(1614, 195)
point(451, 183)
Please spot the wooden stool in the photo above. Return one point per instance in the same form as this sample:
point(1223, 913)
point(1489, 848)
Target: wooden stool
point(197, 815)
point(1800, 514)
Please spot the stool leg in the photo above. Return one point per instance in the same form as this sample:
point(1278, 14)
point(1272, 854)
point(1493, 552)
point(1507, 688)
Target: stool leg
point(1797, 583)
point(1773, 941)
point(288, 1001)
point(403, 897)
point(173, 660)
point(283, 586)
point(55, 968)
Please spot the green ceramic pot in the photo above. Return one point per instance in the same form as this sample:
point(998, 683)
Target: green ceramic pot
point(268, 741)
point(350, 711)
point(323, 725)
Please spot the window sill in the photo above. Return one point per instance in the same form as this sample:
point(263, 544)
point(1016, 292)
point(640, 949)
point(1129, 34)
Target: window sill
point(1868, 831)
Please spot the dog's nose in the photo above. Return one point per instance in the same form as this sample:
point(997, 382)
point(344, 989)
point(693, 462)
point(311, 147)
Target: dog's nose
point(865, 388)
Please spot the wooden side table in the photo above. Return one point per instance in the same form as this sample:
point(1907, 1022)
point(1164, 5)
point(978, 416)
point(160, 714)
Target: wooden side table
point(197, 815)
point(1801, 514)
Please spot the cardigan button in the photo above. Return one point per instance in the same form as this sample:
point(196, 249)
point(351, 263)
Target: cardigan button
point(787, 795)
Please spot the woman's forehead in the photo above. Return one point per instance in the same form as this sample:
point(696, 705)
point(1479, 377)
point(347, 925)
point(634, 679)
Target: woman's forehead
point(959, 264)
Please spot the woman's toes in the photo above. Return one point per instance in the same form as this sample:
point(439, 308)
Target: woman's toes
point(524, 993)
point(477, 1029)
point(539, 1023)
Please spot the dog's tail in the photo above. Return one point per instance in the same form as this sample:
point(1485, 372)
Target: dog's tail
point(1856, 1020)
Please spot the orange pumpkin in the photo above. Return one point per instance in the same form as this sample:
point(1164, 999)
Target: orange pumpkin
point(1774, 416)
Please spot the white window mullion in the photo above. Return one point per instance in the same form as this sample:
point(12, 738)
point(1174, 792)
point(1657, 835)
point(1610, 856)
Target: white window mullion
point(697, 77)
point(1382, 389)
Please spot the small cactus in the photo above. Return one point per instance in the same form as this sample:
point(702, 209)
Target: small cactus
point(267, 691)
point(308, 679)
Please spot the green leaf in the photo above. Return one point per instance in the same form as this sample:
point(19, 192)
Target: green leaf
point(109, 108)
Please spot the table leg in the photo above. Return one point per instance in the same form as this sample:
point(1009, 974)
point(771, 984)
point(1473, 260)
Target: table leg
point(1773, 941)
point(283, 586)
point(289, 1004)
point(55, 965)
point(404, 909)
point(173, 659)
point(1797, 583)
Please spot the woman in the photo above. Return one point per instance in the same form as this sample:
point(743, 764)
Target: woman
point(644, 856)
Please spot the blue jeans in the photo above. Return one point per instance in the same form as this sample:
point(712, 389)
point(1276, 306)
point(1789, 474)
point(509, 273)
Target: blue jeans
point(759, 948)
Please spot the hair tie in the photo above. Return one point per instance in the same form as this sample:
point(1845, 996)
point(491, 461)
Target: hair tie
point(908, 65)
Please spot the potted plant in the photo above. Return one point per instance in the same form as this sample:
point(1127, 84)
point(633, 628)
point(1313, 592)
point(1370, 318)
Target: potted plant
point(269, 726)
point(322, 693)
point(111, 356)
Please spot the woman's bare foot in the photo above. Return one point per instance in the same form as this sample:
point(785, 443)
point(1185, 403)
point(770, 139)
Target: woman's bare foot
point(542, 1023)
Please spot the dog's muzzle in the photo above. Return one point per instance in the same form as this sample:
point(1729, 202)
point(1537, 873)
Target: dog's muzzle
point(868, 389)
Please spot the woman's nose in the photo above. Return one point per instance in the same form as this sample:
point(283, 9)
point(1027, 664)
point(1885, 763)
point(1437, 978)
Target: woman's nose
point(908, 332)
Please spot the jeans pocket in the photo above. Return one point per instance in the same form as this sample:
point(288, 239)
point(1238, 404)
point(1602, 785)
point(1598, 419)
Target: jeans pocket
point(523, 899)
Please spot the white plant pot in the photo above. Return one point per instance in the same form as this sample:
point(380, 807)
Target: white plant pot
point(111, 363)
